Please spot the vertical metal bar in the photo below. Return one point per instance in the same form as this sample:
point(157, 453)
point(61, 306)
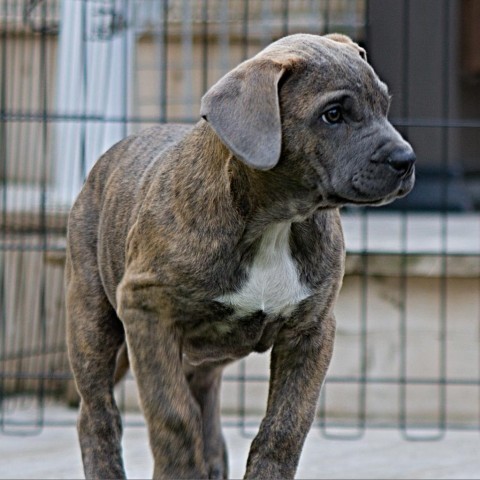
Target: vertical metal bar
point(205, 45)
point(403, 419)
point(363, 387)
point(442, 392)
point(315, 16)
point(224, 36)
point(364, 329)
point(84, 63)
point(164, 64)
point(285, 17)
point(23, 363)
point(361, 412)
point(360, 424)
point(403, 266)
point(3, 174)
point(187, 58)
point(445, 161)
point(266, 20)
point(125, 31)
point(246, 13)
point(22, 149)
point(443, 290)
point(367, 23)
point(43, 222)
point(326, 15)
point(242, 408)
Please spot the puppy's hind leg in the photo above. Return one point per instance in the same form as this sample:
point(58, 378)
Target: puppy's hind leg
point(94, 336)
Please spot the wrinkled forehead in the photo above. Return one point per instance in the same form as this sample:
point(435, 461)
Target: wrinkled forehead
point(330, 65)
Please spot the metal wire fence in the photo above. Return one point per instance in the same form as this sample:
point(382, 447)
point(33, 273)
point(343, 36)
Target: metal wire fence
point(78, 75)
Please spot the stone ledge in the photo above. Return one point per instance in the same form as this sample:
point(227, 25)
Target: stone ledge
point(414, 244)
point(378, 242)
point(376, 232)
point(413, 265)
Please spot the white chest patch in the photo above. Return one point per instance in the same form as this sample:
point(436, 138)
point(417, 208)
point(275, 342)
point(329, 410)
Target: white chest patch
point(273, 284)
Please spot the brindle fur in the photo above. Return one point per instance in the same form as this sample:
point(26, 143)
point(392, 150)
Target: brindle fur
point(170, 220)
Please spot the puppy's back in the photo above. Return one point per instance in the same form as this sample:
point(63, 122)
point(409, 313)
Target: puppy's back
point(106, 206)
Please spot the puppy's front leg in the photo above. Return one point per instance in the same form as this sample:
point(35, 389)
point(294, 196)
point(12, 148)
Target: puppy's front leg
point(173, 416)
point(298, 366)
point(204, 381)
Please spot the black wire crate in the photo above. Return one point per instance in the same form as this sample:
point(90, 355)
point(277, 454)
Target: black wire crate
point(78, 75)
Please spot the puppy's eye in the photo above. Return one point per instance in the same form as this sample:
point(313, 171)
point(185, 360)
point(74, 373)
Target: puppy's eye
point(333, 116)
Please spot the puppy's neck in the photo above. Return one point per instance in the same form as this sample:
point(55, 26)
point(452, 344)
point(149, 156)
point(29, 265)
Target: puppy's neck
point(215, 183)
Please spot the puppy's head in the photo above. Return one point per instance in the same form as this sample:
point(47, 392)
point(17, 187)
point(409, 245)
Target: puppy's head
point(314, 107)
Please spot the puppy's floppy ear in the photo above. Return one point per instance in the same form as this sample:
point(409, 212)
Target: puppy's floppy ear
point(243, 109)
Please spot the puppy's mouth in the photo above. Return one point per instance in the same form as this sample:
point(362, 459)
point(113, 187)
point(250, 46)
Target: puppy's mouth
point(376, 188)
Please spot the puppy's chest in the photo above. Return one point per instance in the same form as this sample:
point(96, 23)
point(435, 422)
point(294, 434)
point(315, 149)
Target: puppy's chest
point(249, 318)
point(273, 283)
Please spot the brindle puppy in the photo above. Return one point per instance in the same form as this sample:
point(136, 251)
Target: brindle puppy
point(198, 245)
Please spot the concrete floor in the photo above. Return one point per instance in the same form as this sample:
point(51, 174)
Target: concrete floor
point(54, 454)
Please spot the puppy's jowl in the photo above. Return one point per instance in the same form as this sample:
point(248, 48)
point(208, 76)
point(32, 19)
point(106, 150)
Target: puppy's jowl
point(198, 245)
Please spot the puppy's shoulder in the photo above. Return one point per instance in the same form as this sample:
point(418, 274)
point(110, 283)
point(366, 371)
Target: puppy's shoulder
point(140, 148)
point(160, 137)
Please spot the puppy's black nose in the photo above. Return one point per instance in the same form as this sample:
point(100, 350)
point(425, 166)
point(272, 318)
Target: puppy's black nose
point(402, 161)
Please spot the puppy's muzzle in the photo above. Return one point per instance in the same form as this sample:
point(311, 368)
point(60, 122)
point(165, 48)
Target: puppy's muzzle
point(402, 161)
point(389, 173)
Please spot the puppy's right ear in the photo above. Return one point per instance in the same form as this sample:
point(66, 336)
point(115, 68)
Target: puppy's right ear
point(243, 109)
point(338, 37)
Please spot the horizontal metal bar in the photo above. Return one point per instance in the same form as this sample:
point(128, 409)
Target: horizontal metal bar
point(435, 123)
point(413, 253)
point(465, 382)
point(254, 424)
point(30, 248)
point(58, 117)
point(35, 376)
point(373, 425)
point(361, 253)
point(24, 354)
point(20, 116)
point(371, 380)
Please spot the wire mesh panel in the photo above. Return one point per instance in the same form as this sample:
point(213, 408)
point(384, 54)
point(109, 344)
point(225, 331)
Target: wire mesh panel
point(78, 75)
